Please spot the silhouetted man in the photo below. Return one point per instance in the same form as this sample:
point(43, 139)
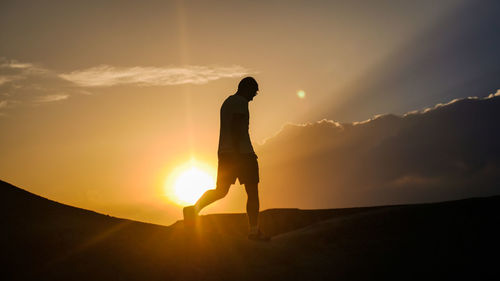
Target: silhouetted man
point(237, 159)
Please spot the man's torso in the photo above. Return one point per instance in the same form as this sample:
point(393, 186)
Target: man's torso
point(232, 106)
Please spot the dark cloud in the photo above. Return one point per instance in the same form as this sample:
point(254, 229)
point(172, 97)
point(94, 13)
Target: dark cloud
point(446, 152)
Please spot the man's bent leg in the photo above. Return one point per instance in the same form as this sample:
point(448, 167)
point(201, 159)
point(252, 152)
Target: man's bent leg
point(211, 196)
point(252, 204)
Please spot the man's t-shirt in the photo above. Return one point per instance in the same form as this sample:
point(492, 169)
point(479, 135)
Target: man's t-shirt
point(234, 105)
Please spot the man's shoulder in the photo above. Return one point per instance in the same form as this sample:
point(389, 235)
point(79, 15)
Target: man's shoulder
point(234, 101)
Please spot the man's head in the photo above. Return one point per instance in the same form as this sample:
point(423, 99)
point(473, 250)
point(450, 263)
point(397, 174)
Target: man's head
point(248, 88)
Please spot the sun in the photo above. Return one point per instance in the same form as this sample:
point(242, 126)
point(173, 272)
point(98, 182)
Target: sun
point(191, 184)
point(188, 182)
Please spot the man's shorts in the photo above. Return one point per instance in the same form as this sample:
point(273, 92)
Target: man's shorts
point(243, 167)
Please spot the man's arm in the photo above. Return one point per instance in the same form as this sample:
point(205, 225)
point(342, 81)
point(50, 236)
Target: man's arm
point(237, 130)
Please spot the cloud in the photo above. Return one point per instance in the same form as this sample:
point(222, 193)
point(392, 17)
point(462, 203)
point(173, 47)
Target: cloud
point(52, 98)
point(20, 65)
point(6, 78)
point(449, 151)
point(291, 128)
point(16, 69)
point(495, 94)
point(106, 75)
point(439, 105)
point(12, 70)
point(24, 83)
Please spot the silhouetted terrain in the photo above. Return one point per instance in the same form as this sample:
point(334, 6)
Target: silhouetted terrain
point(448, 152)
point(45, 240)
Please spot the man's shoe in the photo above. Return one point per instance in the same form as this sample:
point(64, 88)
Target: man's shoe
point(258, 236)
point(189, 215)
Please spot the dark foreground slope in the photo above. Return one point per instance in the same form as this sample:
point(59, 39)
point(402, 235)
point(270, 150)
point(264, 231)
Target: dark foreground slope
point(45, 240)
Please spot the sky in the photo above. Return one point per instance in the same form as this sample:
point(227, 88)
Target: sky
point(100, 101)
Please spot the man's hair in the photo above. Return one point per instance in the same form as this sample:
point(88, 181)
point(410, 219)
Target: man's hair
point(247, 83)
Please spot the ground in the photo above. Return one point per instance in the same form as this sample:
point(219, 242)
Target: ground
point(45, 240)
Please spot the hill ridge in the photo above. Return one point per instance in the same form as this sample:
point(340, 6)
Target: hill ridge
point(448, 239)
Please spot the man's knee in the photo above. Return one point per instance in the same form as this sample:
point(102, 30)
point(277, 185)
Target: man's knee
point(221, 190)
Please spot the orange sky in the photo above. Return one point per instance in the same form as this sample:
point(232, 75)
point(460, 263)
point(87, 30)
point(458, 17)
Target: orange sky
point(100, 102)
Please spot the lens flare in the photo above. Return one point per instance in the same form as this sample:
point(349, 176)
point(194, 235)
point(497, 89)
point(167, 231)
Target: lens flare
point(301, 94)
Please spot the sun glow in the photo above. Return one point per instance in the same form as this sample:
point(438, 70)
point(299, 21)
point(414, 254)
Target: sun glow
point(189, 182)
